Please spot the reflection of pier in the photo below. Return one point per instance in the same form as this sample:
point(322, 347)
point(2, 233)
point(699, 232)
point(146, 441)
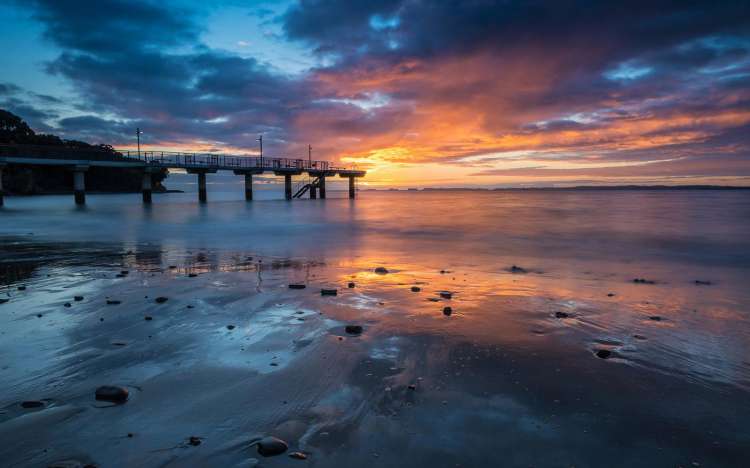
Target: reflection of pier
point(80, 160)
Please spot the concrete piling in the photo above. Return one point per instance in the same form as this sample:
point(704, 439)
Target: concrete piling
point(351, 187)
point(202, 187)
point(248, 187)
point(288, 186)
point(79, 184)
point(147, 187)
point(322, 186)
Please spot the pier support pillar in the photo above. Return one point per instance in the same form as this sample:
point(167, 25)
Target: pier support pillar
point(147, 187)
point(202, 187)
point(288, 186)
point(313, 191)
point(322, 186)
point(248, 187)
point(79, 184)
point(2, 166)
point(351, 188)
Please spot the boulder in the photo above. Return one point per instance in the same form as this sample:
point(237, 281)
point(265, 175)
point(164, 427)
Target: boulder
point(270, 446)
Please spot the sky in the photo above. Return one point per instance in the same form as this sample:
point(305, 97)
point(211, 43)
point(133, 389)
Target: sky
point(473, 93)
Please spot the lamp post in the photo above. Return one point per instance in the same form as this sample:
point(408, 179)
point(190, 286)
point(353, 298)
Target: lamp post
point(309, 155)
point(260, 139)
point(138, 136)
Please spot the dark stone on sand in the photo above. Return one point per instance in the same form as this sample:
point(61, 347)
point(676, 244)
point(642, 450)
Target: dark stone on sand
point(67, 304)
point(446, 294)
point(32, 404)
point(39, 315)
point(298, 456)
point(194, 441)
point(112, 393)
point(381, 270)
point(415, 289)
point(148, 318)
point(192, 275)
point(433, 299)
point(113, 302)
point(190, 306)
point(297, 286)
point(561, 315)
point(603, 353)
point(442, 272)
point(447, 311)
point(351, 285)
point(172, 267)
point(655, 318)
point(78, 298)
point(70, 464)
point(611, 295)
point(124, 272)
point(639, 337)
point(354, 329)
point(161, 299)
point(3, 301)
point(703, 283)
point(643, 281)
point(120, 275)
point(230, 327)
point(517, 269)
point(270, 446)
point(22, 288)
point(412, 387)
point(328, 292)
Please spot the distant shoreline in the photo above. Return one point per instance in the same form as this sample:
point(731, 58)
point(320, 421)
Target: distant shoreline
point(578, 187)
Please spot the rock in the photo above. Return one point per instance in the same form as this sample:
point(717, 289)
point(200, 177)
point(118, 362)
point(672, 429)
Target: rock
point(433, 299)
point(354, 329)
point(230, 327)
point(3, 300)
point(148, 318)
point(297, 286)
point(703, 283)
point(192, 275)
point(190, 306)
point(32, 404)
point(643, 281)
point(67, 304)
point(78, 298)
point(412, 387)
point(655, 318)
point(120, 275)
point(161, 299)
point(639, 337)
point(22, 288)
point(113, 302)
point(447, 311)
point(415, 289)
point(194, 441)
point(270, 446)
point(561, 315)
point(446, 294)
point(39, 315)
point(70, 464)
point(381, 270)
point(351, 285)
point(172, 267)
point(603, 353)
point(112, 393)
point(124, 272)
point(517, 269)
point(298, 456)
point(611, 295)
point(328, 292)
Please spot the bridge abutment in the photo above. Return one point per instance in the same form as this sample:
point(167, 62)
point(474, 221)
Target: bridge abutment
point(79, 184)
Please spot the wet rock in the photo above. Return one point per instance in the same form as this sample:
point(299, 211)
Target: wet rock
point(350, 285)
point(446, 294)
point(433, 299)
point(230, 327)
point(22, 288)
point(655, 318)
point(124, 272)
point(328, 292)
point(611, 295)
point(603, 353)
point(297, 286)
point(70, 464)
point(194, 441)
point(32, 404)
point(172, 267)
point(3, 300)
point(381, 270)
point(354, 329)
point(298, 456)
point(120, 275)
point(703, 283)
point(270, 446)
point(517, 269)
point(112, 394)
point(442, 272)
point(639, 337)
point(67, 304)
point(39, 315)
point(447, 311)
point(148, 318)
point(562, 315)
point(113, 302)
point(161, 299)
point(192, 275)
point(412, 387)
point(78, 298)
point(643, 281)
point(415, 289)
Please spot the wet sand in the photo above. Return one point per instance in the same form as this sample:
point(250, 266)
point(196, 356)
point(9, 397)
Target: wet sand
point(510, 378)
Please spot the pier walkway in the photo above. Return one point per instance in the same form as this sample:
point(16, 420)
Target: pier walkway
point(200, 164)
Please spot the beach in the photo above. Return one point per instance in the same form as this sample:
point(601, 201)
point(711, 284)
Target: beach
point(605, 328)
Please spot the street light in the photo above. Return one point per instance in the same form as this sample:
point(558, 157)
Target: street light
point(309, 155)
point(260, 139)
point(138, 136)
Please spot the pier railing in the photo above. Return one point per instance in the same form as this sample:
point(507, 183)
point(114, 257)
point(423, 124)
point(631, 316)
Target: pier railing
point(185, 159)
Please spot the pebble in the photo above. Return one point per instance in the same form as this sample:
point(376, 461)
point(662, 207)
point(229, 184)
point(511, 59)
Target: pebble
point(703, 283)
point(22, 288)
point(381, 270)
point(112, 394)
point(611, 295)
point(446, 295)
point(643, 281)
point(561, 315)
point(447, 311)
point(3, 301)
point(192, 275)
point(270, 446)
point(328, 292)
point(354, 329)
point(148, 318)
point(297, 286)
point(194, 441)
point(351, 285)
point(78, 298)
point(415, 289)
point(32, 404)
point(113, 302)
point(517, 269)
point(70, 464)
point(230, 327)
point(298, 455)
point(655, 318)
point(603, 353)
point(161, 299)
point(67, 304)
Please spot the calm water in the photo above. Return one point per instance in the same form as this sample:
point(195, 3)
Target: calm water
point(510, 378)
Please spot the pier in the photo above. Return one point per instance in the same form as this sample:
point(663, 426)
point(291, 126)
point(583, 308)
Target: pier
point(197, 163)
